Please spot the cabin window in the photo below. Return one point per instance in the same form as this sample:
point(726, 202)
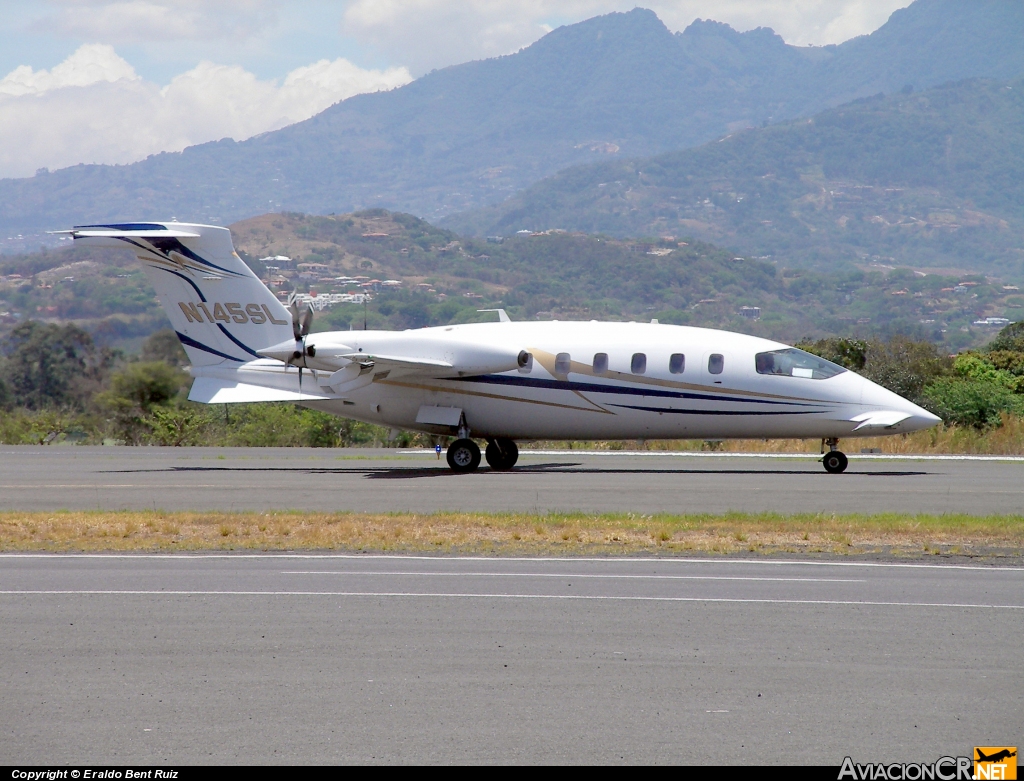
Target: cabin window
point(562, 363)
point(600, 363)
point(676, 363)
point(639, 363)
point(716, 363)
point(792, 362)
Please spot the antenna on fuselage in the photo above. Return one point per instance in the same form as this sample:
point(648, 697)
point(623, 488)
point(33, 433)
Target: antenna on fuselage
point(502, 316)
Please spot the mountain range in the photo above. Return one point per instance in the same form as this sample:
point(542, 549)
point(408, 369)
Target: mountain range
point(471, 135)
point(931, 179)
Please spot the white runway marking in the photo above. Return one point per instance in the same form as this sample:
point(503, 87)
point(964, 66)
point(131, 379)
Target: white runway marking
point(438, 595)
point(34, 486)
point(493, 559)
point(572, 575)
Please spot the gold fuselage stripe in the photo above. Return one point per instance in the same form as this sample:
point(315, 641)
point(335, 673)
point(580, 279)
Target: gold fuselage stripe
point(547, 360)
point(463, 392)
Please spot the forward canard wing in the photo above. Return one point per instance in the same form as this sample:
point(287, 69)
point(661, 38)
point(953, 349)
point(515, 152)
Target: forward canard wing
point(879, 419)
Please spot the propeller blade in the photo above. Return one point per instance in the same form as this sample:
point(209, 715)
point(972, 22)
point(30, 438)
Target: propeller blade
point(307, 320)
point(296, 324)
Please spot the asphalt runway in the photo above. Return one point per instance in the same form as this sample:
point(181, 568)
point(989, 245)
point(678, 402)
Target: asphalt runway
point(343, 659)
point(261, 479)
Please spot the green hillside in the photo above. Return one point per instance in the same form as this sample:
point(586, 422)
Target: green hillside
point(930, 179)
point(443, 277)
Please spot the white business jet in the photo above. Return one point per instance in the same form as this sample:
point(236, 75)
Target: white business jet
point(499, 381)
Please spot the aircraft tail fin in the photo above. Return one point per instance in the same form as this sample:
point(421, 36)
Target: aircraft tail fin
point(220, 310)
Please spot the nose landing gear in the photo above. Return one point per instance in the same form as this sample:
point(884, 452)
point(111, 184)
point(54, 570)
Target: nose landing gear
point(834, 461)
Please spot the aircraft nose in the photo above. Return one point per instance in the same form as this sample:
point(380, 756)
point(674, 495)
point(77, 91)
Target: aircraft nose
point(920, 419)
point(910, 416)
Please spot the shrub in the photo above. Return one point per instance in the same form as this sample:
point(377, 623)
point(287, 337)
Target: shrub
point(977, 403)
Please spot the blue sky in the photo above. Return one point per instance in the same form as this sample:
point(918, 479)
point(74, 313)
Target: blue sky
point(71, 69)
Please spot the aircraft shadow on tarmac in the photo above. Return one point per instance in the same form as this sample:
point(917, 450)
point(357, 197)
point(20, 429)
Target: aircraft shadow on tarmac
point(408, 473)
point(570, 469)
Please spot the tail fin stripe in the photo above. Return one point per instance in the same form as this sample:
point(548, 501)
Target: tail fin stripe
point(163, 252)
point(166, 246)
point(128, 226)
point(202, 298)
point(233, 339)
point(190, 342)
point(193, 284)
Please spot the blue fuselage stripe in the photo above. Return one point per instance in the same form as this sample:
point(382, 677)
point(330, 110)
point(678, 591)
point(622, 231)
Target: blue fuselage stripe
point(718, 411)
point(622, 390)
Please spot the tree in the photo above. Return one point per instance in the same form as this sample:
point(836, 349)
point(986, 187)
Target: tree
point(971, 402)
point(145, 385)
point(135, 393)
point(52, 365)
point(905, 366)
point(848, 353)
point(164, 346)
point(1010, 338)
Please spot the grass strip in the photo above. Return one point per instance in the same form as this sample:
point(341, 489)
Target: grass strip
point(889, 534)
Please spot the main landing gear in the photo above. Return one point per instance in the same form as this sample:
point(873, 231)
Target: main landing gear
point(464, 454)
point(834, 461)
point(501, 454)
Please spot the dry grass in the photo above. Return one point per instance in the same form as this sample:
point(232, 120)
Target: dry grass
point(504, 534)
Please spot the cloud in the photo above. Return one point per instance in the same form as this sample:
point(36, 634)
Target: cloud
point(426, 34)
point(91, 64)
point(93, 108)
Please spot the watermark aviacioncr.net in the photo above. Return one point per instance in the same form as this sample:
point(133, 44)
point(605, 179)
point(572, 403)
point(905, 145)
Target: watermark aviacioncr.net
point(990, 763)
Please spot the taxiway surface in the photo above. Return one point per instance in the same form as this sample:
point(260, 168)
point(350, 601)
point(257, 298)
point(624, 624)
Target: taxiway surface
point(113, 478)
point(325, 658)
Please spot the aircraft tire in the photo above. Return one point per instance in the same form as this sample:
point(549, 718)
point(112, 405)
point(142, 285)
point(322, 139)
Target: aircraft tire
point(463, 455)
point(835, 462)
point(501, 454)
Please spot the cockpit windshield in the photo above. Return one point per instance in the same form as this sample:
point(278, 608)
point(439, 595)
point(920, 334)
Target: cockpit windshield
point(792, 362)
